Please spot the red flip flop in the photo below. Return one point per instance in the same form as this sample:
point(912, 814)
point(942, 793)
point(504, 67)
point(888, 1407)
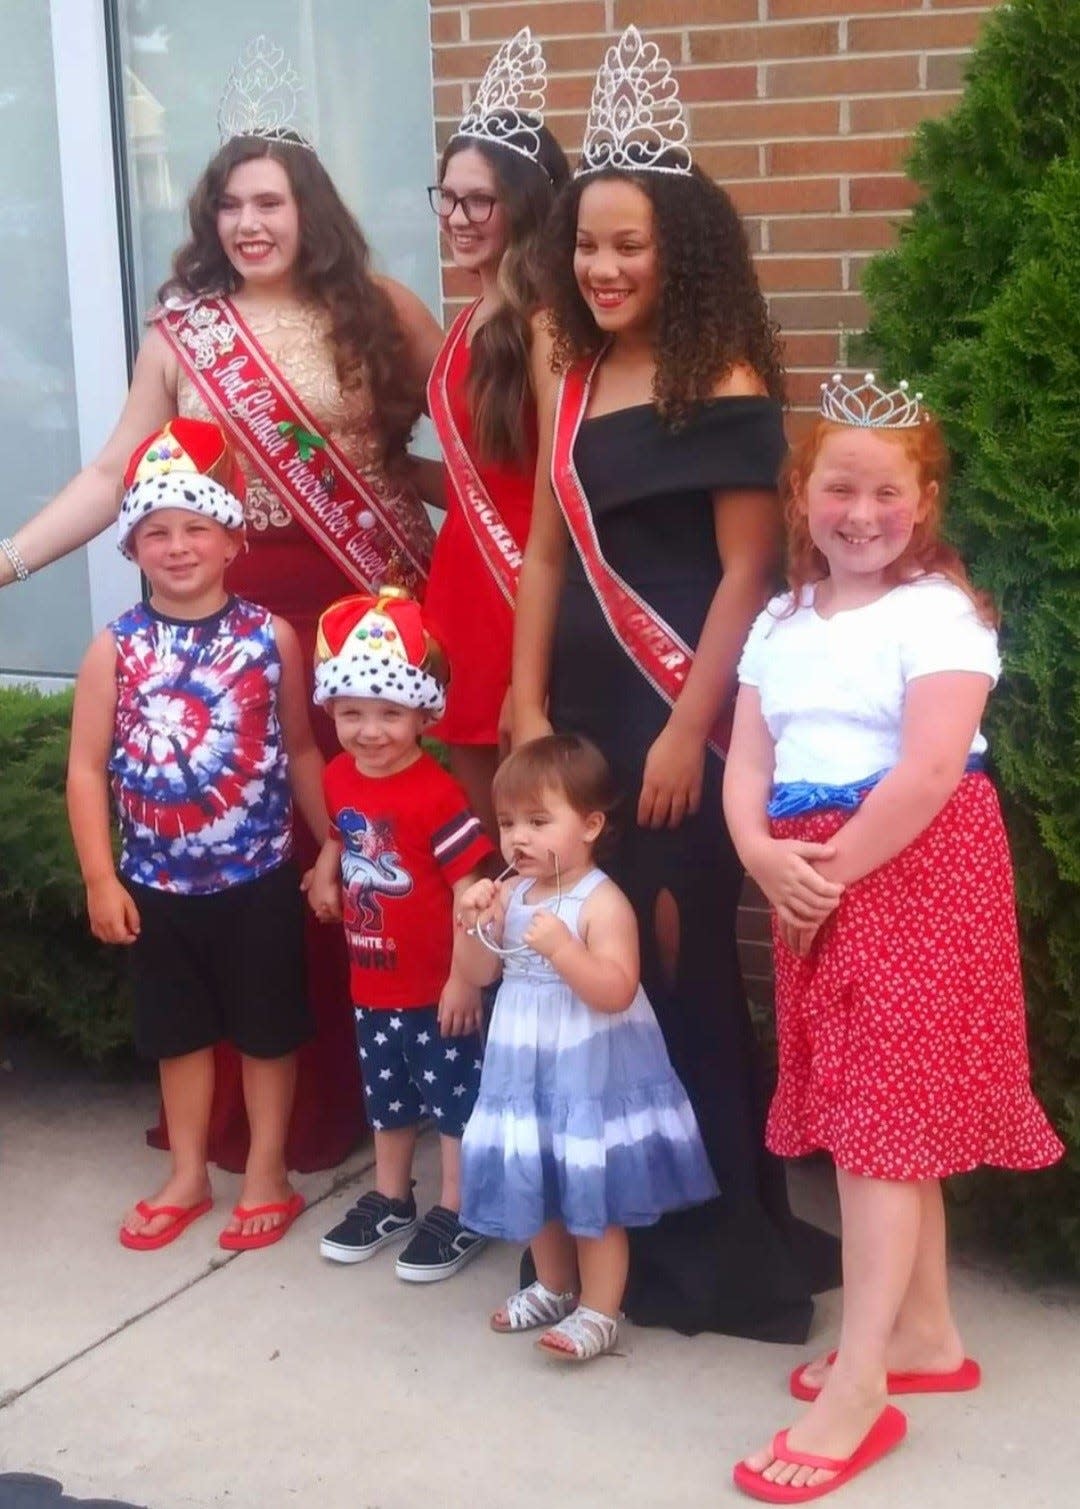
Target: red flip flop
point(236, 1241)
point(181, 1217)
point(967, 1376)
point(887, 1431)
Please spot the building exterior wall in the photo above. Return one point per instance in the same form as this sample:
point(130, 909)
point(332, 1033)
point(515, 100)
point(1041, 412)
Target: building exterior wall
point(803, 109)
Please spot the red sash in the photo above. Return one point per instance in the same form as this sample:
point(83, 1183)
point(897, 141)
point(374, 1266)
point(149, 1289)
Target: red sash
point(652, 644)
point(374, 532)
point(497, 546)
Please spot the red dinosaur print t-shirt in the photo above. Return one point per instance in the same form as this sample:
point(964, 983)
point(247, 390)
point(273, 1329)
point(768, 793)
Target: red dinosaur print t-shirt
point(406, 839)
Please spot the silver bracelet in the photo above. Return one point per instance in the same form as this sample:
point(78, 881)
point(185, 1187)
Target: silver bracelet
point(18, 565)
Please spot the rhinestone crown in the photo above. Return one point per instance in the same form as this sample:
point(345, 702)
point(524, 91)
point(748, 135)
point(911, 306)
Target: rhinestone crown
point(261, 96)
point(869, 406)
point(509, 100)
point(636, 119)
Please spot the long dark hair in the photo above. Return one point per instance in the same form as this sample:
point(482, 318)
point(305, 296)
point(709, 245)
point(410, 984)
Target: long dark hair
point(498, 385)
point(333, 269)
point(712, 314)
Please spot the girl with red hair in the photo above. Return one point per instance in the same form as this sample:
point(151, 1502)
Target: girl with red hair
point(856, 797)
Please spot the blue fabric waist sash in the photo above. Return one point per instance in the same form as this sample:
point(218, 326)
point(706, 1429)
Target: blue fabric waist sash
point(796, 798)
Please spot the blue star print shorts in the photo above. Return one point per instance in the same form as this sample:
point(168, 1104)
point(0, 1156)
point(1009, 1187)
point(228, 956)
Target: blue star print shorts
point(410, 1070)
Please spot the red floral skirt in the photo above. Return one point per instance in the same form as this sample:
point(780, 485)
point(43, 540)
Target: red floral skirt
point(902, 1037)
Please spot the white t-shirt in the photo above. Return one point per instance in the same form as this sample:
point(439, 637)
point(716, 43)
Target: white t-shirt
point(832, 689)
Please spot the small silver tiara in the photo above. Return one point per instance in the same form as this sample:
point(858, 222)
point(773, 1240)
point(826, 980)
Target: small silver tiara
point(870, 407)
point(509, 100)
point(636, 117)
point(261, 96)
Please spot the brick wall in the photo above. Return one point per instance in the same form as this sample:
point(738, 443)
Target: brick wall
point(803, 109)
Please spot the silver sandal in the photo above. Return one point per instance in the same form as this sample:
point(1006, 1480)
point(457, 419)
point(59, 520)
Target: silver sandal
point(535, 1305)
point(591, 1332)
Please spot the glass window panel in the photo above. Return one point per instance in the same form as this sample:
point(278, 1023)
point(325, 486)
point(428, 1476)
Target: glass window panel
point(44, 623)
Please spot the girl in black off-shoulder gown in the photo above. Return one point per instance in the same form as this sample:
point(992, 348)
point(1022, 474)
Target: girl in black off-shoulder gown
point(656, 490)
point(741, 1264)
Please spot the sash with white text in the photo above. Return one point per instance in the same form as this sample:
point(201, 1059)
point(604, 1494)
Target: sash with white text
point(497, 546)
point(658, 652)
point(377, 534)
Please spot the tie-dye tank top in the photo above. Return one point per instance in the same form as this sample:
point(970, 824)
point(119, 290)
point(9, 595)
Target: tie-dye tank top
point(199, 771)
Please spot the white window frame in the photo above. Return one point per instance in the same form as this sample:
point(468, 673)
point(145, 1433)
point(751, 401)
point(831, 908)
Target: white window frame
point(94, 265)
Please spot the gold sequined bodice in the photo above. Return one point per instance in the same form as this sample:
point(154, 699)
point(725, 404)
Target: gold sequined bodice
point(296, 338)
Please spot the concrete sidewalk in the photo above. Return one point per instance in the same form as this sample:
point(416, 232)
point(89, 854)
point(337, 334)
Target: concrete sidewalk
point(187, 1377)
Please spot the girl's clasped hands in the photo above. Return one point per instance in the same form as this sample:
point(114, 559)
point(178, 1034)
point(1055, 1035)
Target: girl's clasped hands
point(804, 899)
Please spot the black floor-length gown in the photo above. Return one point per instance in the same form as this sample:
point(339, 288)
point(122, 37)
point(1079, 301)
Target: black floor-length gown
point(741, 1264)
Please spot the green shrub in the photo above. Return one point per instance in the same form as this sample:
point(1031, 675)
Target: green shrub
point(979, 305)
point(53, 975)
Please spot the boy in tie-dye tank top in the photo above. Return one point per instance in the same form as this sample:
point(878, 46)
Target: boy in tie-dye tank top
point(192, 708)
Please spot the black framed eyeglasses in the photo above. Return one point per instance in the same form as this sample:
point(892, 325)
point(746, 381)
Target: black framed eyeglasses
point(477, 208)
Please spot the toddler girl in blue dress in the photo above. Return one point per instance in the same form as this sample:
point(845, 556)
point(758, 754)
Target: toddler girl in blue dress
point(581, 1127)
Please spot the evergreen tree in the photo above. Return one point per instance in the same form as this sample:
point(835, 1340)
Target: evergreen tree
point(979, 305)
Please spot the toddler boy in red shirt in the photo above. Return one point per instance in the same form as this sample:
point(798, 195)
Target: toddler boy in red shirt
point(403, 846)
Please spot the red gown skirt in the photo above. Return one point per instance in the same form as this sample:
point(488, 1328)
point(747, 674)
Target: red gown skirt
point(902, 1038)
point(287, 573)
point(473, 619)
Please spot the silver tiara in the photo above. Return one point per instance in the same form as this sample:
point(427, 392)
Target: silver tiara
point(261, 96)
point(636, 117)
point(509, 101)
point(870, 407)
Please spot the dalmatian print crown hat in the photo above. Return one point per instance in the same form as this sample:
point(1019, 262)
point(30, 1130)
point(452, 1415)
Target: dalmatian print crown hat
point(380, 647)
point(190, 465)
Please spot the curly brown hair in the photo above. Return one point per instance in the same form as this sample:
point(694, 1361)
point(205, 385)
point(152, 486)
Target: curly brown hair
point(498, 389)
point(333, 269)
point(712, 314)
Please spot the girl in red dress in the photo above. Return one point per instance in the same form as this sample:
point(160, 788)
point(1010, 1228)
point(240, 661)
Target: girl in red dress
point(497, 181)
point(856, 798)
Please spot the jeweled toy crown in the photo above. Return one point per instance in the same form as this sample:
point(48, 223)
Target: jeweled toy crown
point(509, 101)
point(870, 407)
point(261, 96)
point(636, 119)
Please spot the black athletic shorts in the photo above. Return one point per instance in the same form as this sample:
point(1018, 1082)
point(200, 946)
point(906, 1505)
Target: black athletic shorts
point(229, 965)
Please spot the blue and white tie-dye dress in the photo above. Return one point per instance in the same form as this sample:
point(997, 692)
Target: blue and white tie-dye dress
point(580, 1116)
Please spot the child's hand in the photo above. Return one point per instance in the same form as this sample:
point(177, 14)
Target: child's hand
point(798, 938)
point(478, 899)
point(482, 905)
point(783, 868)
point(460, 1009)
point(545, 934)
point(324, 896)
point(114, 917)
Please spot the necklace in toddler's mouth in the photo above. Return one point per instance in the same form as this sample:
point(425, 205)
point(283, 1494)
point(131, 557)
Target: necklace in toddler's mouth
point(519, 948)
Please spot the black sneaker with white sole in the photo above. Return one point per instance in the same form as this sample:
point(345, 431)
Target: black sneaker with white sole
point(440, 1247)
point(373, 1221)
